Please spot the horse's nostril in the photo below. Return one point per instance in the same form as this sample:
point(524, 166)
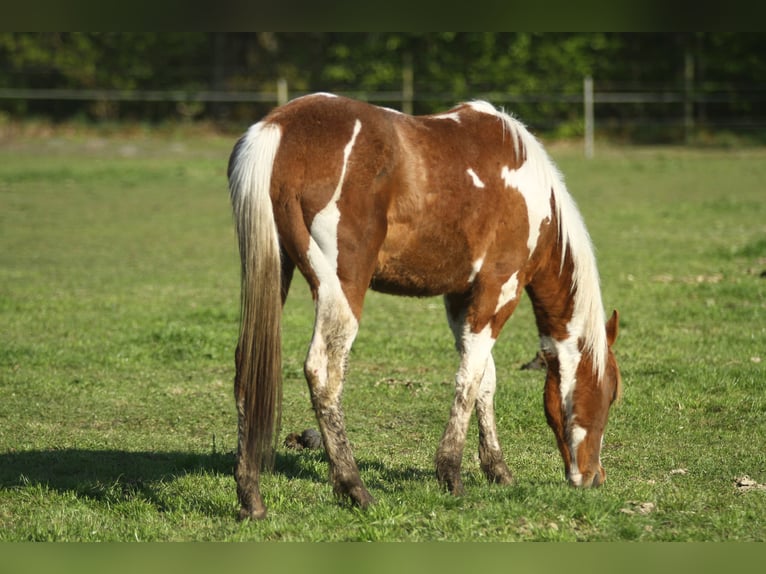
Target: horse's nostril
point(599, 477)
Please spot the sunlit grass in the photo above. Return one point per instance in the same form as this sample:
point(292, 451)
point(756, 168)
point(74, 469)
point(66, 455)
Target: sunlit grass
point(119, 302)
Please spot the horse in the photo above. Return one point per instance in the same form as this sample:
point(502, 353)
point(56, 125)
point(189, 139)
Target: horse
point(465, 204)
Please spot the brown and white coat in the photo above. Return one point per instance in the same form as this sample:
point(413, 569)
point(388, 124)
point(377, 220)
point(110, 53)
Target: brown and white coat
point(464, 204)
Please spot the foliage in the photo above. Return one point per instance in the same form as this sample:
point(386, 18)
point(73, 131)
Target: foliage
point(526, 68)
point(119, 301)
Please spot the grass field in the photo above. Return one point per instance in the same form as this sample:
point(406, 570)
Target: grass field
point(119, 313)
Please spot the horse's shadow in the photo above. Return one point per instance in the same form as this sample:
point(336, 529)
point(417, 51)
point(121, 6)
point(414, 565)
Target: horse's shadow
point(119, 475)
point(113, 475)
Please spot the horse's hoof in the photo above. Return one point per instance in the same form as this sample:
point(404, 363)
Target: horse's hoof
point(498, 473)
point(452, 484)
point(448, 476)
point(251, 514)
point(360, 497)
point(501, 478)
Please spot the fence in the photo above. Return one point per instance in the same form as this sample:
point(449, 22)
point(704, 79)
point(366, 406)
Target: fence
point(589, 101)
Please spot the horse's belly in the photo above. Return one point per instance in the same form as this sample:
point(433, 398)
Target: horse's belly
point(419, 267)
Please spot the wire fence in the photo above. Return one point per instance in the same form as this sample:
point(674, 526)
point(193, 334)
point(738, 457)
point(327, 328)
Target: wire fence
point(670, 114)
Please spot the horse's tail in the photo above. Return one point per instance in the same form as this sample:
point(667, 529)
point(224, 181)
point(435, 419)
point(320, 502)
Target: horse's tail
point(258, 382)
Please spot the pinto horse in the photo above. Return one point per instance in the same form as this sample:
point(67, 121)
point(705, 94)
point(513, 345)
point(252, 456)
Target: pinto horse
point(465, 204)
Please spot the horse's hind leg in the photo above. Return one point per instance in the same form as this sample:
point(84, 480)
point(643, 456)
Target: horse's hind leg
point(334, 332)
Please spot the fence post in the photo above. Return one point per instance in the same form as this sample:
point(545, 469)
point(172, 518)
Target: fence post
point(688, 95)
point(588, 104)
point(281, 91)
point(408, 81)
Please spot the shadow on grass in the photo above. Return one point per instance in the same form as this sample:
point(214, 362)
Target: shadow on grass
point(102, 474)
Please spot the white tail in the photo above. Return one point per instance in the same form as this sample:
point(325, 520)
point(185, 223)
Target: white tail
point(258, 382)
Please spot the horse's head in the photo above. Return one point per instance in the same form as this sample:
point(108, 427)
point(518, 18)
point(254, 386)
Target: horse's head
point(577, 407)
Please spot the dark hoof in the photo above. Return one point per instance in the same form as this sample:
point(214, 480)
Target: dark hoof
point(355, 494)
point(536, 364)
point(455, 487)
point(494, 467)
point(501, 476)
point(361, 498)
point(451, 482)
point(251, 514)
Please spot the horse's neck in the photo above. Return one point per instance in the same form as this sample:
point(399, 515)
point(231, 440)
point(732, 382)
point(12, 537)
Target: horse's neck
point(563, 314)
point(552, 296)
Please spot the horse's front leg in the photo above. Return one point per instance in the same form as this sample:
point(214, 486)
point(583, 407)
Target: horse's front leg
point(490, 452)
point(475, 351)
point(325, 366)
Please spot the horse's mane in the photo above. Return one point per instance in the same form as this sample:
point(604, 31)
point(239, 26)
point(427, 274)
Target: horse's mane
point(588, 318)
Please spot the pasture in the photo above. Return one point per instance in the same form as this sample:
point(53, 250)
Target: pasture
point(119, 302)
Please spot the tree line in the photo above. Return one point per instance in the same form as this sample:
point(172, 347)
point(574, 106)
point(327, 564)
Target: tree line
point(723, 74)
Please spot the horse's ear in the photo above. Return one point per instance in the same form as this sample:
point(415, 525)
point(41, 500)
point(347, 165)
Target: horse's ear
point(612, 328)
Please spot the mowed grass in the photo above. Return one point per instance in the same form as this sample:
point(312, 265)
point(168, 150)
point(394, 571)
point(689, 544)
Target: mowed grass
point(119, 313)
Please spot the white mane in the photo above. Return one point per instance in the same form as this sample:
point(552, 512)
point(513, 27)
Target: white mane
point(588, 317)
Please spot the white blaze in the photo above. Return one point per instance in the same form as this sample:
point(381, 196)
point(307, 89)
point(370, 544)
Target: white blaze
point(576, 436)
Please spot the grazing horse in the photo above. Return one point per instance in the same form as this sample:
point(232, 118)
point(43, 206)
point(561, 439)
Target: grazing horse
point(465, 204)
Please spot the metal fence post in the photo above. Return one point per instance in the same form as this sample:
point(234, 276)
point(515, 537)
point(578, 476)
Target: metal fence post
point(281, 91)
point(688, 96)
point(588, 104)
point(408, 83)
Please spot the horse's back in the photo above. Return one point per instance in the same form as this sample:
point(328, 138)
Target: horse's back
point(452, 211)
point(423, 198)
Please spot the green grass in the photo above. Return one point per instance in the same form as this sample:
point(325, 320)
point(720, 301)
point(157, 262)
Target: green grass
point(119, 302)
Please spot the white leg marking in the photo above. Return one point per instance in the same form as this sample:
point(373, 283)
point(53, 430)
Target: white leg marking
point(527, 180)
point(485, 398)
point(476, 351)
point(488, 380)
point(508, 291)
point(476, 181)
point(475, 268)
point(324, 227)
point(316, 361)
point(334, 333)
point(335, 325)
point(335, 321)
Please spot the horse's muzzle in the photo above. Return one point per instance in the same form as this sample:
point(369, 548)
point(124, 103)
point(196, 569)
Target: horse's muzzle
point(588, 479)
